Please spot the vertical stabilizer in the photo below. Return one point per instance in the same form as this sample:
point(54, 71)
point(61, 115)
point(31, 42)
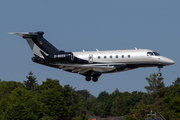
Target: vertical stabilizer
point(38, 43)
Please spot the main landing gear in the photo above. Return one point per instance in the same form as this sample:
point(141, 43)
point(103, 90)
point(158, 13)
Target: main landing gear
point(159, 73)
point(94, 78)
point(88, 78)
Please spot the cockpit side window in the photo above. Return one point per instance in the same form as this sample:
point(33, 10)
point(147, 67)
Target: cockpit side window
point(156, 54)
point(150, 54)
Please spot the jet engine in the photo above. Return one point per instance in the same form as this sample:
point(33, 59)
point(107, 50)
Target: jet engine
point(37, 59)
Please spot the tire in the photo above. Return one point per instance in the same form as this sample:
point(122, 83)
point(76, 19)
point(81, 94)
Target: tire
point(88, 78)
point(159, 74)
point(95, 79)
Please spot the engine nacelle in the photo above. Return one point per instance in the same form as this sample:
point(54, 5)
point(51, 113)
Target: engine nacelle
point(64, 57)
point(37, 59)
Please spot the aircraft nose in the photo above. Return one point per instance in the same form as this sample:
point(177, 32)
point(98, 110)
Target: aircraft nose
point(171, 62)
point(166, 61)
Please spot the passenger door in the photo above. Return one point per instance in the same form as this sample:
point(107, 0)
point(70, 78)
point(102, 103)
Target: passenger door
point(90, 58)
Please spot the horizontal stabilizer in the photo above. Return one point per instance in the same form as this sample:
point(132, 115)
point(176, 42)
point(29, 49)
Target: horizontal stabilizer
point(20, 34)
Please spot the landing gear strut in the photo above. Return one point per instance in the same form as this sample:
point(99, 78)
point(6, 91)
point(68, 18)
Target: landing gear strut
point(159, 73)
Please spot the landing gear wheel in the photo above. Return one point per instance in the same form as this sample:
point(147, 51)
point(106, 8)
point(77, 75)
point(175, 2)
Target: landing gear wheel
point(159, 74)
point(95, 79)
point(88, 78)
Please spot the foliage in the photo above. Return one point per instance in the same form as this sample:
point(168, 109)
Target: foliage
point(160, 96)
point(20, 105)
point(84, 94)
point(50, 100)
point(171, 103)
point(155, 83)
point(59, 101)
point(140, 111)
point(130, 117)
point(6, 87)
point(31, 82)
point(177, 81)
point(81, 117)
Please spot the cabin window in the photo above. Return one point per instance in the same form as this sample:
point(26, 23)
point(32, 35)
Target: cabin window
point(99, 57)
point(116, 56)
point(110, 56)
point(122, 56)
point(104, 57)
point(129, 56)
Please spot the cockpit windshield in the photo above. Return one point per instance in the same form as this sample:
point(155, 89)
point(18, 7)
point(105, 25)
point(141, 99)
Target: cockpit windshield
point(156, 54)
point(153, 54)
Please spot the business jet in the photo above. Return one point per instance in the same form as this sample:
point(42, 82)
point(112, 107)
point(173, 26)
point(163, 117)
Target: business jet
point(91, 64)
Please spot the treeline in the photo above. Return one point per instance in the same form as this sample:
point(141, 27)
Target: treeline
point(52, 101)
point(30, 101)
point(136, 105)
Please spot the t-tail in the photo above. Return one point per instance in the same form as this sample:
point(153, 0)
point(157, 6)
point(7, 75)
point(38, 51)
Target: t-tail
point(44, 51)
point(38, 43)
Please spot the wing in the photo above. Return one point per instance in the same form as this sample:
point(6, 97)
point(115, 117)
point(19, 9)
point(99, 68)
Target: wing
point(92, 68)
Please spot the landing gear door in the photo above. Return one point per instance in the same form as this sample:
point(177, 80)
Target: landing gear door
point(90, 58)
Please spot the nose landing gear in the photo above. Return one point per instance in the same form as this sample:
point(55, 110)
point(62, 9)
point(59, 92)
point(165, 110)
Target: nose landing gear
point(159, 73)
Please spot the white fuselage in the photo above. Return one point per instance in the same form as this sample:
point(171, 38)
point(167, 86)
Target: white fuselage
point(139, 57)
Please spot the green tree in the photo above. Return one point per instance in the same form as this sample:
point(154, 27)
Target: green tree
point(47, 101)
point(30, 82)
point(155, 83)
point(6, 87)
point(177, 81)
point(147, 99)
point(102, 96)
point(171, 104)
point(140, 111)
point(121, 107)
point(160, 96)
point(91, 105)
point(60, 102)
point(20, 104)
point(102, 105)
point(84, 94)
point(81, 117)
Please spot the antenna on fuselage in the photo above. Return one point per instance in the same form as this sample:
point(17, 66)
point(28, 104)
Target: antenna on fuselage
point(135, 48)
